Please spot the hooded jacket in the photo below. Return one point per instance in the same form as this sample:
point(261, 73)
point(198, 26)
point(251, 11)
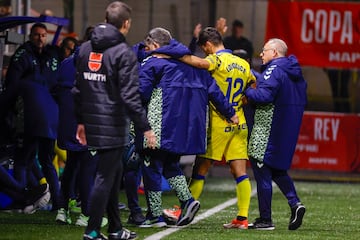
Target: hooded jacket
point(177, 96)
point(107, 84)
point(67, 120)
point(33, 76)
point(280, 97)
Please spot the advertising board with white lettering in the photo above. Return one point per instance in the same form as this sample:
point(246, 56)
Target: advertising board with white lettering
point(328, 141)
point(321, 34)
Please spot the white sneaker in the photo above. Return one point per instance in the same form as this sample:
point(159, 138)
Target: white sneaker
point(63, 216)
point(82, 221)
point(41, 198)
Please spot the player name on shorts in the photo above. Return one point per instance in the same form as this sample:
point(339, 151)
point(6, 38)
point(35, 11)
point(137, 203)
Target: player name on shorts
point(235, 127)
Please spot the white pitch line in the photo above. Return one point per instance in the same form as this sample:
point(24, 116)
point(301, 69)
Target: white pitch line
point(198, 218)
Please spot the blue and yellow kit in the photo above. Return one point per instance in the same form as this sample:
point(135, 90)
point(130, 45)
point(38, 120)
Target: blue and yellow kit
point(232, 74)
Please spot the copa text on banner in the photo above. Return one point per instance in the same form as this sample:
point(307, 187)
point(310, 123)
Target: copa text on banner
point(321, 34)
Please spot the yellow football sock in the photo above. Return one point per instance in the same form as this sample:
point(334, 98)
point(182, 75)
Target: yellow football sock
point(196, 186)
point(43, 180)
point(243, 194)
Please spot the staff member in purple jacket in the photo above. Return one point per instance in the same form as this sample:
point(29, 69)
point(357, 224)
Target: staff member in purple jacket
point(177, 96)
point(280, 98)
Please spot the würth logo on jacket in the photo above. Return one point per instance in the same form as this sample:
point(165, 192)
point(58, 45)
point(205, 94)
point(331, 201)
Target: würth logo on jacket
point(95, 60)
point(94, 65)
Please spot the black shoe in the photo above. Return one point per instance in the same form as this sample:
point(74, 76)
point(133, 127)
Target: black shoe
point(261, 224)
point(297, 214)
point(98, 236)
point(136, 218)
point(123, 234)
point(188, 212)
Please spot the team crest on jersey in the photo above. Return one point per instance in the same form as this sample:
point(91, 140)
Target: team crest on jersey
point(95, 60)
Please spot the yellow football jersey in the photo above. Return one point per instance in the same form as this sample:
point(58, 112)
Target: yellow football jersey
point(232, 74)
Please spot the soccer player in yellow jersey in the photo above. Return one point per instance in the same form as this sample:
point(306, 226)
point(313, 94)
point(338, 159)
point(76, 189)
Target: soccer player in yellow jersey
point(225, 140)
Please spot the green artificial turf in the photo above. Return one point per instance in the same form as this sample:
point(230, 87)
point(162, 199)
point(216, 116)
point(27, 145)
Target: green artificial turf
point(332, 212)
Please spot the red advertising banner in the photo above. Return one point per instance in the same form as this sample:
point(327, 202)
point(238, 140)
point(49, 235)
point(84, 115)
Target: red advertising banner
point(329, 142)
point(321, 34)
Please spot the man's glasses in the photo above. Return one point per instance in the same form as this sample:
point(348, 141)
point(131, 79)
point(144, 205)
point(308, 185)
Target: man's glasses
point(266, 49)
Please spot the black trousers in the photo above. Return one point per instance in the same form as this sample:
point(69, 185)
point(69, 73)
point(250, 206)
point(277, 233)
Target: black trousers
point(79, 171)
point(105, 192)
point(24, 164)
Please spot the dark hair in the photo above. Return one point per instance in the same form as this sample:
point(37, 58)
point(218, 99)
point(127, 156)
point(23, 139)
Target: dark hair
point(237, 23)
point(66, 40)
point(209, 34)
point(37, 25)
point(159, 35)
point(117, 13)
